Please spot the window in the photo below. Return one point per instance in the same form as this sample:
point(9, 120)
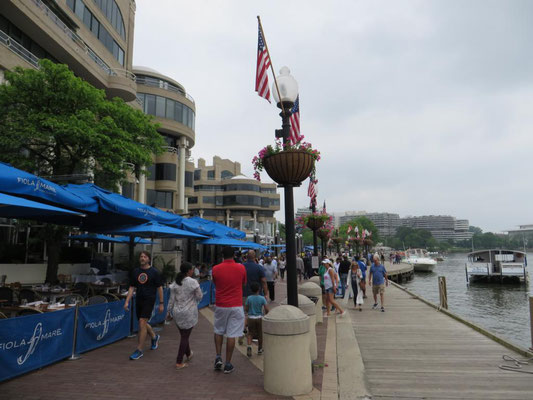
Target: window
point(160, 107)
point(150, 175)
point(128, 190)
point(188, 179)
point(168, 108)
point(208, 199)
point(112, 12)
point(268, 190)
point(265, 202)
point(192, 200)
point(149, 104)
point(242, 186)
point(197, 175)
point(165, 172)
point(242, 200)
point(226, 174)
point(159, 198)
point(211, 174)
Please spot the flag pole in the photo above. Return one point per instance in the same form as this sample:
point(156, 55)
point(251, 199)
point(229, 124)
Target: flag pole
point(271, 66)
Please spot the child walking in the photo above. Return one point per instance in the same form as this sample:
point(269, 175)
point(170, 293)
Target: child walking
point(255, 304)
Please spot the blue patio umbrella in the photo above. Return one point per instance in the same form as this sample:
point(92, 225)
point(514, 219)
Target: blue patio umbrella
point(210, 228)
point(233, 243)
point(96, 237)
point(19, 207)
point(153, 230)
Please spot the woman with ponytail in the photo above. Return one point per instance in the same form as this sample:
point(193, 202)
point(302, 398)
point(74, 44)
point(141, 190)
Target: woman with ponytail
point(185, 294)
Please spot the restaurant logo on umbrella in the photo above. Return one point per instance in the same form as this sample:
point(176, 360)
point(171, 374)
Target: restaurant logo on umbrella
point(38, 185)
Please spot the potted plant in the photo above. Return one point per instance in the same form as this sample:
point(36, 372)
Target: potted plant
point(314, 221)
point(286, 163)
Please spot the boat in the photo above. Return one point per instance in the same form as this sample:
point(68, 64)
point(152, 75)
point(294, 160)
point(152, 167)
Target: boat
point(437, 256)
point(496, 265)
point(420, 260)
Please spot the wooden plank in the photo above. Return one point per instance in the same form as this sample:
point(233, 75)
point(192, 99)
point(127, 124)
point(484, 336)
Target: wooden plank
point(413, 351)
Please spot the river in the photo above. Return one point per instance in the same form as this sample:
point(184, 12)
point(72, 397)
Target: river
point(501, 309)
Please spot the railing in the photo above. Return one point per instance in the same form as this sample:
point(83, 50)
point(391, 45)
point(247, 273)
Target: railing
point(171, 149)
point(163, 85)
point(18, 49)
point(78, 40)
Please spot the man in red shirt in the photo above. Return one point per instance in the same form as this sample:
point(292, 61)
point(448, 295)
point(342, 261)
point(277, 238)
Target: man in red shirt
point(229, 278)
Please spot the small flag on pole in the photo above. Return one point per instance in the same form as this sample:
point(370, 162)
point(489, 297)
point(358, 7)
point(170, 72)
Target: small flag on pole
point(263, 63)
point(349, 229)
point(312, 190)
point(324, 207)
point(295, 122)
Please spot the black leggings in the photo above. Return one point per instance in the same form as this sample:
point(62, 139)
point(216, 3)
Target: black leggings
point(355, 290)
point(184, 345)
point(271, 292)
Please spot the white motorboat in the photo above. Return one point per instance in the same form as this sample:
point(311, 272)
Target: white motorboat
point(497, 266)
point(420, 261)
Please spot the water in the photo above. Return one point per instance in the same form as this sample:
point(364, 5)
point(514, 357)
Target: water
point(501, 309)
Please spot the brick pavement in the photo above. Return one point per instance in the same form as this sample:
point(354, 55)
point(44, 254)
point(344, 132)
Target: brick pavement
point(107, 373)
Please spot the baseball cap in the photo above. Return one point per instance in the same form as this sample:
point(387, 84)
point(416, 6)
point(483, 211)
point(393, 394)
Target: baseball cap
point(326, 261)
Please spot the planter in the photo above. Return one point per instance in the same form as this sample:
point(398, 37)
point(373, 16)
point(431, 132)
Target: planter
point(289, 167)
point(323, 234)
point(315, 223)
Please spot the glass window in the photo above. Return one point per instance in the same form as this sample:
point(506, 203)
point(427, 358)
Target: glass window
point(192, 200)
point(87, 17)
point(219, 200)
point(208, 199)
point(94, 27)
point(178, 111)
point(150, 176)
point(149, 104)
point(242, 186)
point(211, 174)
point(265, 202)
point(121, 56)
point(188, 179)
point(70, 4)
point(165, 172)
point(170, 109)
point(185, 116)
point(79, 8)
point(128, 190)
point(226, 174)
point(159, 198)
point(197, 175)
point(160, 107)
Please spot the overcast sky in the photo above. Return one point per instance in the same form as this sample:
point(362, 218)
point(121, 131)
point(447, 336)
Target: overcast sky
point(418, 107)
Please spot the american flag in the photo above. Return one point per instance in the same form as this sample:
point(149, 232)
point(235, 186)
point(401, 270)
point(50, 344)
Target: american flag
point(263, 63)
point(312, 190)
point(295, 122)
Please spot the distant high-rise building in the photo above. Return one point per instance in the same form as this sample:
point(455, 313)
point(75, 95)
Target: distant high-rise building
point(386, 223)
point(442, 227)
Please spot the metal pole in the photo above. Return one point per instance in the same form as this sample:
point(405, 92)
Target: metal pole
point(292, 284)
point(315, 240)
point(75, 356)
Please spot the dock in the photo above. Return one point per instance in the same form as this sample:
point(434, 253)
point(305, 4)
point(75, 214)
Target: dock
point(414, 351)
point(399, 272)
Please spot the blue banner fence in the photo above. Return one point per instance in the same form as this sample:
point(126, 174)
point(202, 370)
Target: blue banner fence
point(34, 341)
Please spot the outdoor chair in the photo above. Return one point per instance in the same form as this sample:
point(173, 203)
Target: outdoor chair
point(106, 281)
point(28, 295)
point(6, 294)
point(29, 311)
point(2, 315)
point(72, 298)
point(96, 300)
point(82, 289)
point(110, 297)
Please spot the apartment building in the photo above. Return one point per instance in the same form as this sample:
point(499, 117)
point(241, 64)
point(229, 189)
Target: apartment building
point(224, 195)
point(442, 227)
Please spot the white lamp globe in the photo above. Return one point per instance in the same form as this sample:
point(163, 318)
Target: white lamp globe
point(288, 87)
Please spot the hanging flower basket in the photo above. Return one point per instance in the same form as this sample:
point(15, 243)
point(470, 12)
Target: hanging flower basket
point(289, 167)
point(323, 234)
point(315, 223)
point(368, 242)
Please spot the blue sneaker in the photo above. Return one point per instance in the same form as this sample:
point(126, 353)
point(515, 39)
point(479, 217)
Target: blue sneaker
point(229, 368)
point(218, 363)
point(155, 342)
point(136, 355)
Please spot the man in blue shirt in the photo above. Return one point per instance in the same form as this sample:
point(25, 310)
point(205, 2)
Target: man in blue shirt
point(362, 267)
point(378, 279)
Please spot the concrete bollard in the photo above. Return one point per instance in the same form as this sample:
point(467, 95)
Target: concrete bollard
point(308, 308)
point(315, 279)
point(287, 360)
point(311, 289)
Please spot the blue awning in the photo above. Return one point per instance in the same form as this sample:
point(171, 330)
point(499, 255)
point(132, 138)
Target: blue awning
point(16, 182)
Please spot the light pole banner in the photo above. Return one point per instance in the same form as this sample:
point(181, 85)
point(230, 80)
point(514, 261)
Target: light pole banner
point(31, 342)
point(101, 324)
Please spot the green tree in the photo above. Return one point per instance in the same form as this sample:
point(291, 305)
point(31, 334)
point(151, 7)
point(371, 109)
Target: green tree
point(53, 123)
point(361, 223)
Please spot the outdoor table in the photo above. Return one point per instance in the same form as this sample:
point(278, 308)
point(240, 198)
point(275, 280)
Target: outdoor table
point(113, 288)
point(52, 296)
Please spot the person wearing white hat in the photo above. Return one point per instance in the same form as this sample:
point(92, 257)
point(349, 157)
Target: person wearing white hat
point(331, 282)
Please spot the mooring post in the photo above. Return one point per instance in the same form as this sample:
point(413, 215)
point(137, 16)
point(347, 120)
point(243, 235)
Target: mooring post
point(443, 295)
point(531, 320)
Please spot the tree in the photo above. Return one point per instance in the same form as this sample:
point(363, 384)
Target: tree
point(53, 123)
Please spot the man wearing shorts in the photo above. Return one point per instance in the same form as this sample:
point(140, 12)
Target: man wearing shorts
point(147, 281)
point(229, 278)
point(378, 279)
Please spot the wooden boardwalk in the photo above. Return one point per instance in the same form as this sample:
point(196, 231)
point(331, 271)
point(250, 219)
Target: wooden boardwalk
point(412, 351)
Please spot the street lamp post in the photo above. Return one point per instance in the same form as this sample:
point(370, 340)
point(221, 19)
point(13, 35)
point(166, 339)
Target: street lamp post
point(288, 92)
